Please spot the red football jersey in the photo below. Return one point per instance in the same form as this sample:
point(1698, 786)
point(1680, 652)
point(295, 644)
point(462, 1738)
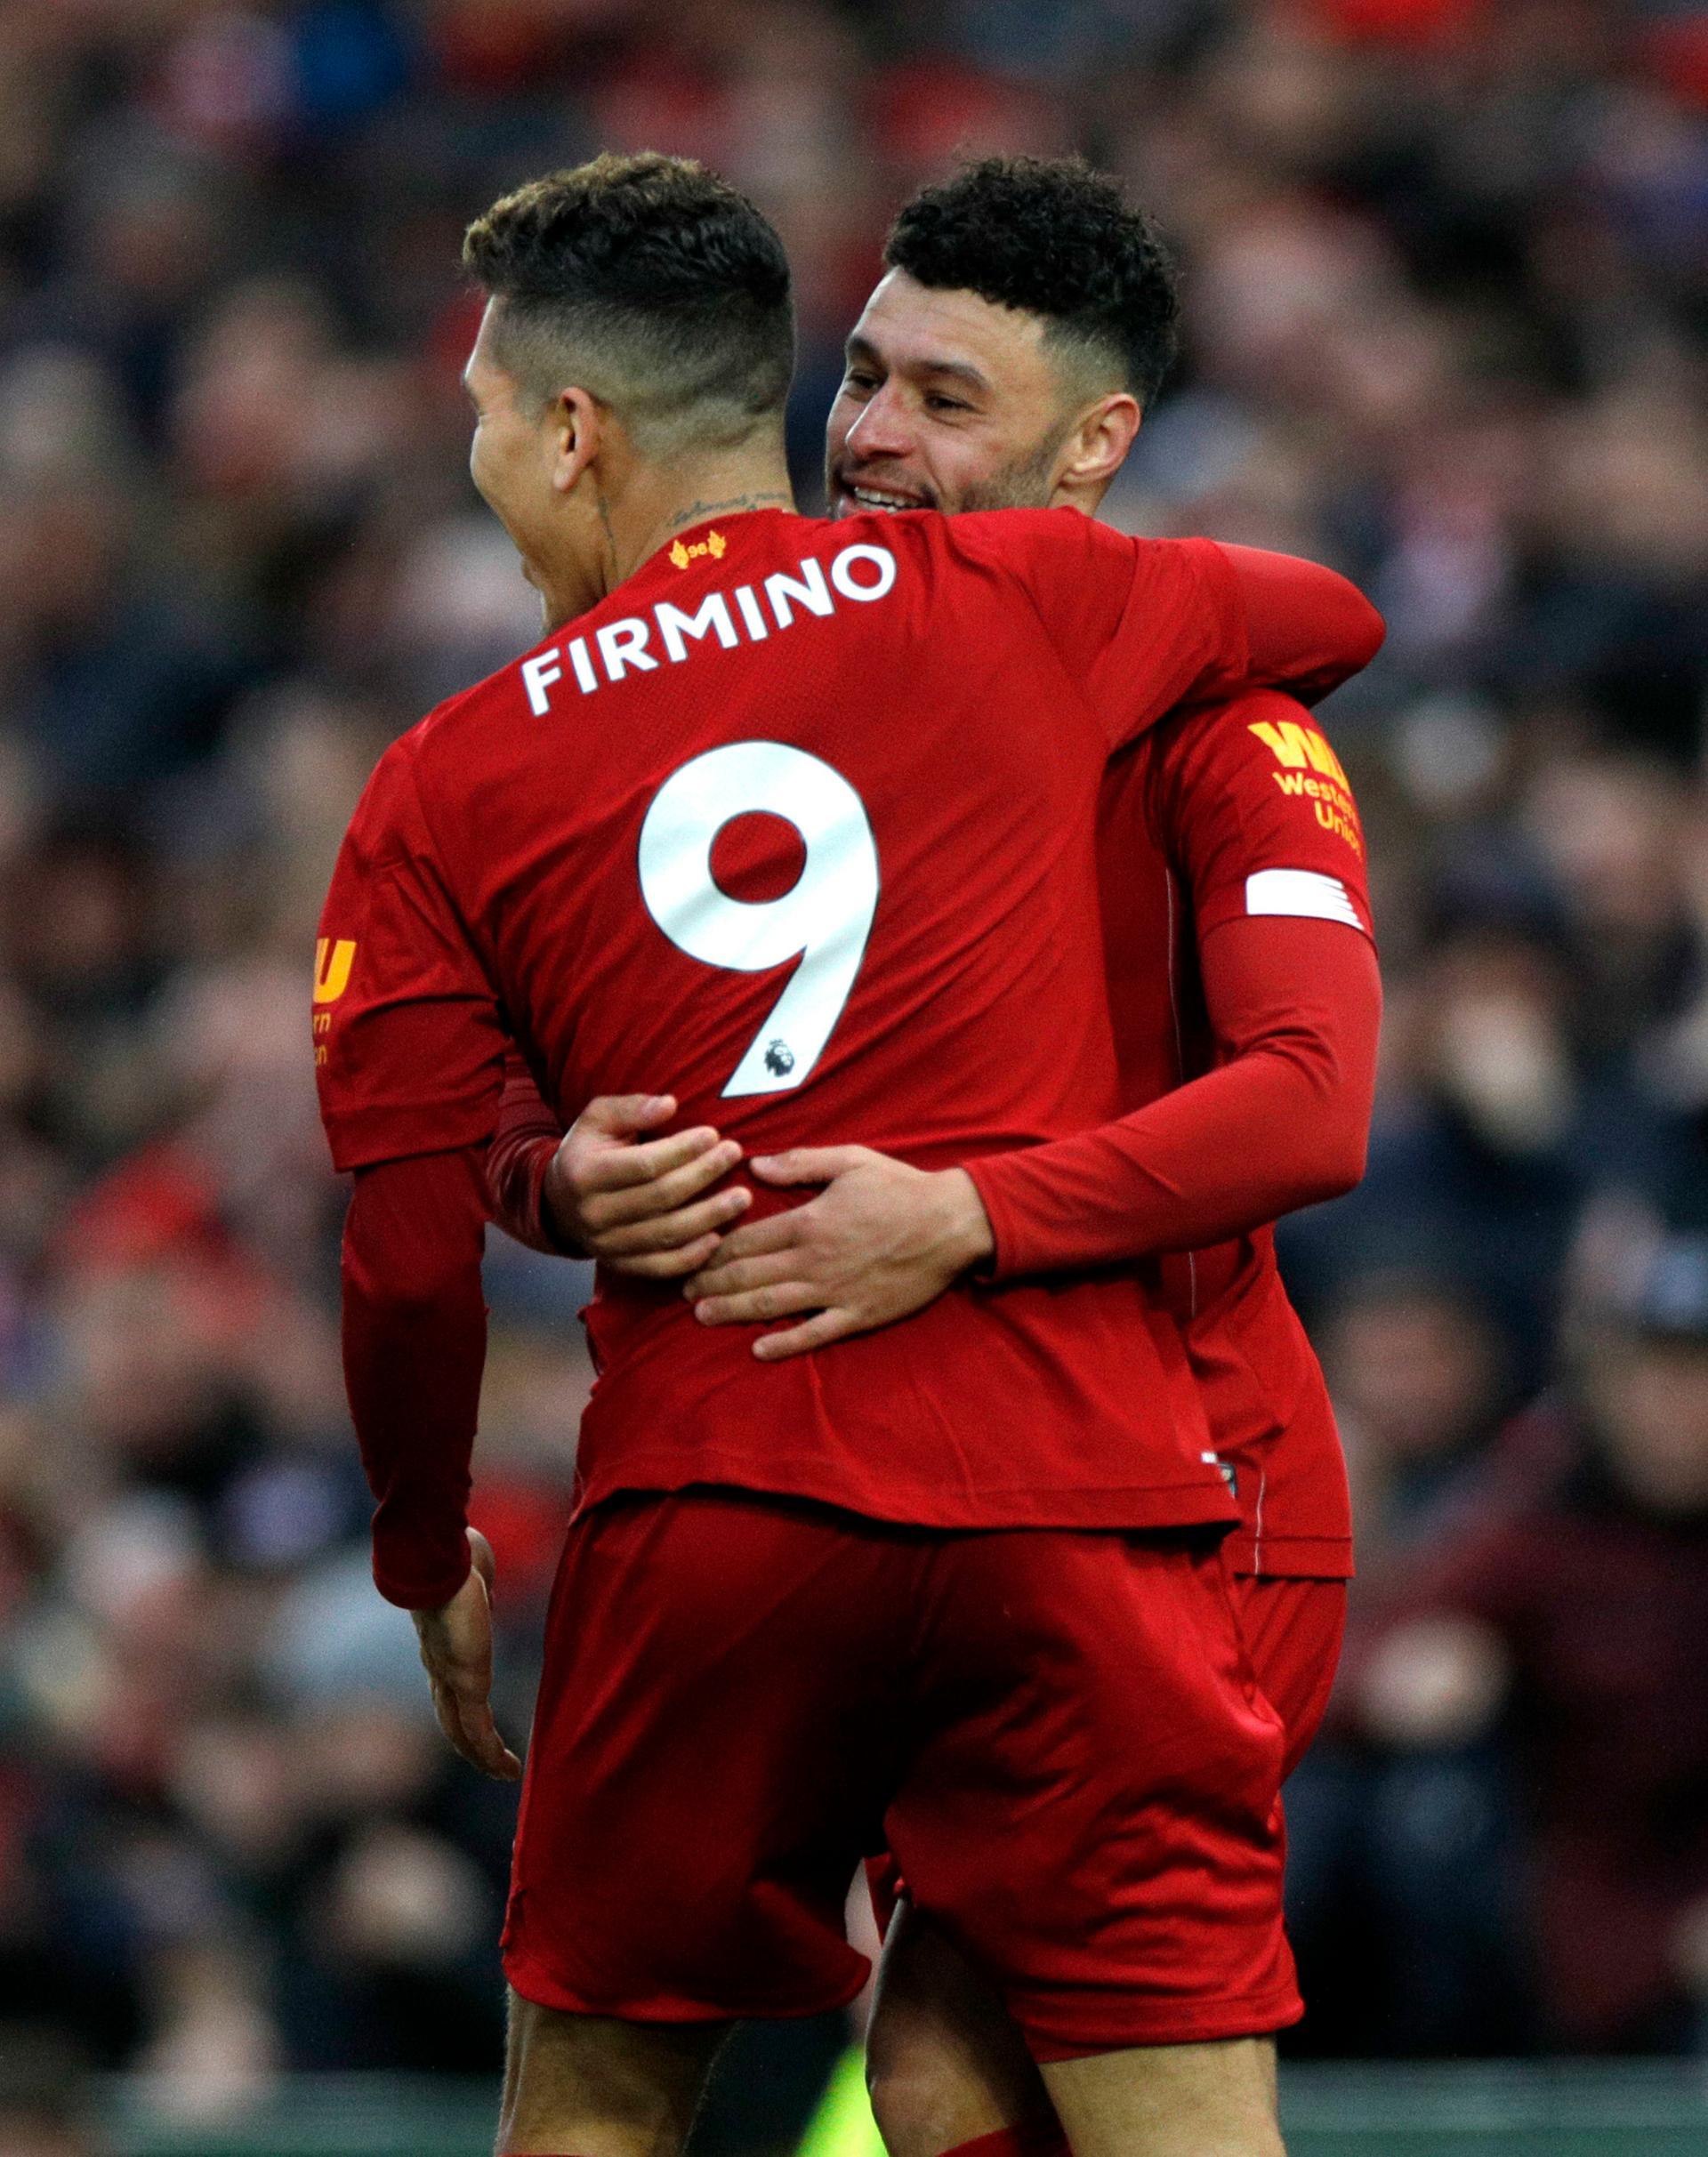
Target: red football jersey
point(803, 814)
point(1211, 817)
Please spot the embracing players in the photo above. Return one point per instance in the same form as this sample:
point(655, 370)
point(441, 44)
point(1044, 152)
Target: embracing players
point(804, 813)
point(1027, 318)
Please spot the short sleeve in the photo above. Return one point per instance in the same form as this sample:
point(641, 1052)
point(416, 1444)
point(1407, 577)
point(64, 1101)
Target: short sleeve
point(1254, 809)
point(409, 1039)
point(1138, 622)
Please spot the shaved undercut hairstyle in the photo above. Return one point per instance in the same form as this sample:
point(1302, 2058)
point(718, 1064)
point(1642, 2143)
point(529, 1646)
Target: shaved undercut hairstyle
point(651, 283)
point(1055, 238)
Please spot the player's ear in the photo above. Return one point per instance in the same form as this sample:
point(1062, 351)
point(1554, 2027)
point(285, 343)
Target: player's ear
point(577, 424)
point(1097, 447)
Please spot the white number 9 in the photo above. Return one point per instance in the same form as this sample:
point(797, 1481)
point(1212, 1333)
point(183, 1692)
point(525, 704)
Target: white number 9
point(826, 918)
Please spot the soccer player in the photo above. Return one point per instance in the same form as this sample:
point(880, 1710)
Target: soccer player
point(722, 817)
point(1026, 319)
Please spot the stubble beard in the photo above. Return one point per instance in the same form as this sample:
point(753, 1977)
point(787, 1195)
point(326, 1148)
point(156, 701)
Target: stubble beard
point(1026, 483)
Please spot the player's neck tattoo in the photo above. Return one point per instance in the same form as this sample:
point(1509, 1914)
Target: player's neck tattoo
point(697, 512)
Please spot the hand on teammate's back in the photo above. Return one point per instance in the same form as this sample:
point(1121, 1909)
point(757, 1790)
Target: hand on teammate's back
point(639, 1205)
point(456, 1644)
point(881, 1241)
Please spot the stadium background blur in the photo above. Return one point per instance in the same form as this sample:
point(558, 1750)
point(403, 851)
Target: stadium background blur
point(1445, 287)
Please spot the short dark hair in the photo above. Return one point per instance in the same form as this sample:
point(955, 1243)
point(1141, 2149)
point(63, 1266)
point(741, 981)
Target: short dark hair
point(1055, 238)
point(648, 281)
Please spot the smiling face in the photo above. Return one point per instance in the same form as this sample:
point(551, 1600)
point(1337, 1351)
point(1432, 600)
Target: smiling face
point(513, 452)
point(525, 457)
point(952, 402)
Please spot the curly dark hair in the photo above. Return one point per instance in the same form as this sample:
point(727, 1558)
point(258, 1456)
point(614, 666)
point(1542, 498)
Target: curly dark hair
point(1055, 238)
point(648, 281)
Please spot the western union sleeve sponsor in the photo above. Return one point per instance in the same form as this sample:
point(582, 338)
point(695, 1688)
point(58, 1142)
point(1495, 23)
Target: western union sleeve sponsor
point(1310, 769)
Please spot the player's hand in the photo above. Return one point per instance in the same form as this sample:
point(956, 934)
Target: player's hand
point(879, 1241)
point(456, 1653)
point(639, 1205)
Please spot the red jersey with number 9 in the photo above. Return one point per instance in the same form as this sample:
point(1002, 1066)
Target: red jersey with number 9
point(799, 823)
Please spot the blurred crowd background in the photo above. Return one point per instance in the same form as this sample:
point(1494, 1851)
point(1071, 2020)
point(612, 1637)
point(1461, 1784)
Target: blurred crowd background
point(1447, 289)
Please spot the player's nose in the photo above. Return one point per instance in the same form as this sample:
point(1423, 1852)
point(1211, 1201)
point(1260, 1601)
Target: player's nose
point(883, 428)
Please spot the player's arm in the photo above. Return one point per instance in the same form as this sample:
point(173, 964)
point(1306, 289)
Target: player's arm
point(409, 1046)
point(604, 1189)
point(1201, 620)
point(1295, 1005)
point(1308, 629)
point(415, 1345)
point(1143, 624)
point(1282, 1124)
point(1295, 1000)
point(527, 1135)
point(1255, 811)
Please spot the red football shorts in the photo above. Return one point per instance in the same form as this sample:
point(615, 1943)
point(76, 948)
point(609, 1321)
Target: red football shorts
point(1293, 1630)
point(1057, 1732)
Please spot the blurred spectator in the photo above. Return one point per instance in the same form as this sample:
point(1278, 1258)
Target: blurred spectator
point(1398, 1870)
point(1573, 1620)
point(44, 2108)
point(1420, 1379)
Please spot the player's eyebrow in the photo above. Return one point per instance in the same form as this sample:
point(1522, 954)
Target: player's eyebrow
point(957, 370)
point(859, 348)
